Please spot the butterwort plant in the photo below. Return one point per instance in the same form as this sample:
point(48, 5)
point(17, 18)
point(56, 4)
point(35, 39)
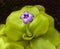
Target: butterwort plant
point(29, 28)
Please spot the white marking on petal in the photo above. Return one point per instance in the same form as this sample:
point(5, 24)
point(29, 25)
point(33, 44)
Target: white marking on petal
point(22, 16)
point(26, 13)
point(31, 15)
point(25, 21)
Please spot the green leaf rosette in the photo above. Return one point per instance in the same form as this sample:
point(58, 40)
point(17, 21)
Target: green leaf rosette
point(14, 46)
point(4, 44)
point(29, 28)
point(16, 29)
point(2, 28)
point(40, 43)
point(53, 36)
point(58, 47)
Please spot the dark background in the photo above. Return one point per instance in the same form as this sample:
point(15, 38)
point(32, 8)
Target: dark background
point(52, 8)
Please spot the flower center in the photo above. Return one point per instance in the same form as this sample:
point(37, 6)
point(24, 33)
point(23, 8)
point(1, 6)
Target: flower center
point(26, 15)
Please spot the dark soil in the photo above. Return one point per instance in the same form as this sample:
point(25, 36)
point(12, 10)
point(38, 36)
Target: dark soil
point(52, 8)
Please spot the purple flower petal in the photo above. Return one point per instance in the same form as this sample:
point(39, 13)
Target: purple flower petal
point(26, 13)
point(30, 19)
point(22, 16)
point(25, 21)
point(31, 15)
